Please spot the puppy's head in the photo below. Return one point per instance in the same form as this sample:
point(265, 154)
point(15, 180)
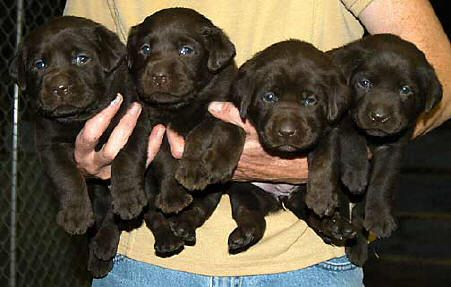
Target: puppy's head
point(392, 83)
point(64, 66)
point(291, 92)
point(174, 53)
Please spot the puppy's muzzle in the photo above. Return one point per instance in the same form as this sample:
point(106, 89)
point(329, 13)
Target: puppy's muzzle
point(378, 120)
point(287, 134)
point(379, 116)
point(160, 78)
point(58, 85)
point(286, 129)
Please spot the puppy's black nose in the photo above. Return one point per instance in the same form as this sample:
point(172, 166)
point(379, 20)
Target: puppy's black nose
point(287, 129)
point(160, 78)
point(379, 116)
point(61, 90)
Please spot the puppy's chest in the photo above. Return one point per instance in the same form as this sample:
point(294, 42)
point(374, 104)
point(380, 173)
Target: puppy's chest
point(181, 121)
point(53, 132)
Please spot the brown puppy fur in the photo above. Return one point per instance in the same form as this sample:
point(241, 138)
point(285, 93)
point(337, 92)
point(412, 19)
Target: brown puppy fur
point(72, 68)
point(180, 62)
point(392, 84)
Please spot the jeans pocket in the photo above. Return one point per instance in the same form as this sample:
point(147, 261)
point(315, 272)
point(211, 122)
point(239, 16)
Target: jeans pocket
point(337, 264)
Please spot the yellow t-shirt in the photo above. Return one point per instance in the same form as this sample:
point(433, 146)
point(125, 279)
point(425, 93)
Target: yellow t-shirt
point(252, 25)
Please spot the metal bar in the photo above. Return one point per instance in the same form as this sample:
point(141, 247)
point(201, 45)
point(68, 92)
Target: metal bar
point(15, 139)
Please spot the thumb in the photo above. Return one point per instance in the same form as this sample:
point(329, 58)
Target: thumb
point(226, 112)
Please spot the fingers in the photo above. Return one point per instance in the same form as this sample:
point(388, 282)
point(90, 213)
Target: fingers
point(119, 136)
point(89, 136)
point(177, 144)
point(155, 140)
point(227, 112)
point(98, 163)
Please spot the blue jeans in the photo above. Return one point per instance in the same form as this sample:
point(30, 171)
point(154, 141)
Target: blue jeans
point(130, 273)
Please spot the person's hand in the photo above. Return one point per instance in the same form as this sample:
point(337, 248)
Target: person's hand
point(255, 164)
point(98, 163)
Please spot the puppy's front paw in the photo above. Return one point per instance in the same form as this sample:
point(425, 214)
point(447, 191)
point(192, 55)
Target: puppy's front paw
point(243, 237)
point(192, 174)
point(356, 181)
point(337, 230)
point(97, 267)
point(382, 224)
point(174, 202)
point(75, 219)
point(128, 203)
point(320, 204)
point(167, 244)
point(357, 254)
point(183, 229)
point(105, 243)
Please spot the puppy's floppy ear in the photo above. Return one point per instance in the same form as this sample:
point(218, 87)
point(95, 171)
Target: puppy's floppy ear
point(243, 89)
point(430, 87)
point(111, 50)
point(17, 68)
point(339, 97)
point(348, 58)
point(131, 44)
point(220, 49)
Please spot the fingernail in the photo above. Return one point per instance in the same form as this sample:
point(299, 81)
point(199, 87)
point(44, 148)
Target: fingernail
point(117, 100)
point(135, 109)
point(178, 151)
point(161, 132)
point(216, 107)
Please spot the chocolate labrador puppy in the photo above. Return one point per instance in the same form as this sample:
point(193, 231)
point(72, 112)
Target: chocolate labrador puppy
point(71, 68)
point(392, 84)
point(293, 95)
point(180, 62)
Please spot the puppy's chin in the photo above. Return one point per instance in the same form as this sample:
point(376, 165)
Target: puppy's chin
point(161, 98)
point(379, 130)
point(285, 148)
point(68, 113)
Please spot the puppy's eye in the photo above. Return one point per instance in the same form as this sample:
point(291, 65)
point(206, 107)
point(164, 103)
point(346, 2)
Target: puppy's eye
point(186, 50)
point(310, 100)
point(80, 59)
point(364, 83)
point(269, 97)
point(145, 49)
point(40, 64)
point(405, 90)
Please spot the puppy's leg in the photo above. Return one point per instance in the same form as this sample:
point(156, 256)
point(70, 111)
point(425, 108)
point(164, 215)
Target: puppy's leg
point(75, 214)
point(127, 173)
point(354, 163)
point(335, 229)
point(166, 242)
point(250, 205)
point(106, 240)
point(383, 183)
point(184, 224)
point(97, 267)
point(100, 258)
point(357, 249)
point(172, 196)
point(212, 151)
point(323, 175)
